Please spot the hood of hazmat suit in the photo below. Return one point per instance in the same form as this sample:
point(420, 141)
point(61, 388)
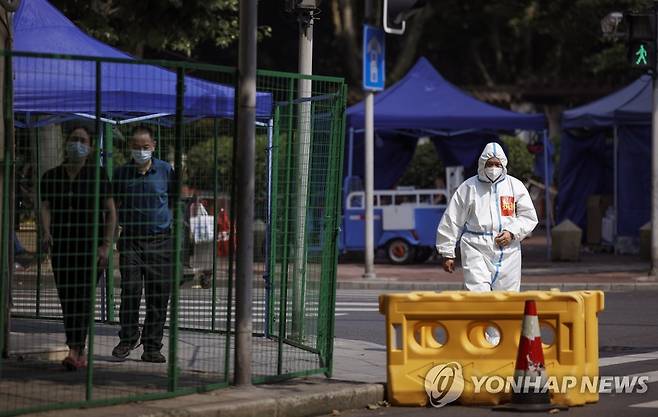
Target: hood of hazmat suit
point(492, 150)
point(481, 209)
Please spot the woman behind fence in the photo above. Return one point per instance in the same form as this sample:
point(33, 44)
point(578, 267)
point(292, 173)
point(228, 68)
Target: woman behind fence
point(67, 209)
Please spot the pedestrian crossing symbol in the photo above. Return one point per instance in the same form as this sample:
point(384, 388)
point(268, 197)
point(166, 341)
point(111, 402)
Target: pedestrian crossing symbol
point(642, 55)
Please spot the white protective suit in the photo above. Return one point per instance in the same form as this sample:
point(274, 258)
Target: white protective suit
point(480, 210)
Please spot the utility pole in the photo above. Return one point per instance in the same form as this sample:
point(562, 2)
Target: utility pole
point(305, 12)
point(369, 167)
point(246, 156)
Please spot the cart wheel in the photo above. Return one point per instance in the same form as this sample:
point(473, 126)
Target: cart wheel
point(423, 253)
point(400, 252)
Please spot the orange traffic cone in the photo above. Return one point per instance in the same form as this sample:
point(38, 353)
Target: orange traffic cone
point(530, 369)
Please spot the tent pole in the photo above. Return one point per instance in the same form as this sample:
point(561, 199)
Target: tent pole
point(547, 198)
point(350, 162)
point(351, 153)
point(615, 187)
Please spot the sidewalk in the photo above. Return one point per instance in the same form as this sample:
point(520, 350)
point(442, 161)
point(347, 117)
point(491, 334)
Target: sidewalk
point(595, 271)
point(358, 381)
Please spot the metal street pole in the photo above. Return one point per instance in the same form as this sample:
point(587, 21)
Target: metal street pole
point(654, 160)
point(369, 169)
point(369, 272)
point(303, 161)
point(246, 156)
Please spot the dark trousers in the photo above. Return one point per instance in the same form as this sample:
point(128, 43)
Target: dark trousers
point(72, 271)
point(145, 263)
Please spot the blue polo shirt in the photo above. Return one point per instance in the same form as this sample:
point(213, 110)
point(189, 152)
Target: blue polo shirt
point(144, 199)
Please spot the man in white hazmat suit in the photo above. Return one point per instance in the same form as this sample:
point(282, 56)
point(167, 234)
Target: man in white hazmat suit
point(489, 214)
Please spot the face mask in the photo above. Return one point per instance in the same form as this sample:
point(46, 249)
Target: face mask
point(493, 173)
point(76, 151)
point(141, 156)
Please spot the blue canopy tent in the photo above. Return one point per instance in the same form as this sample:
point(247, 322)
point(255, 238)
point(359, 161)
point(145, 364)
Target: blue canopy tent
point(591, 165)
point(66, 88)
point(422, 104)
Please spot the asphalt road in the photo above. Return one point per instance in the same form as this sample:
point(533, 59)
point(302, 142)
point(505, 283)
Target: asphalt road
point(628, 326)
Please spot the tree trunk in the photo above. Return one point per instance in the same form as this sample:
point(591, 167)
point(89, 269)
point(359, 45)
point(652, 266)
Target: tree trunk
point(346, 32)
point(409, 51)
point(553, 115)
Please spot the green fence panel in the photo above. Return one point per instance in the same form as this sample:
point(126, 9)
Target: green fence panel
point(167, 284)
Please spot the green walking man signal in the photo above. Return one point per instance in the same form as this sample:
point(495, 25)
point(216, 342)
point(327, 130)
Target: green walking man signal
point(641, 56)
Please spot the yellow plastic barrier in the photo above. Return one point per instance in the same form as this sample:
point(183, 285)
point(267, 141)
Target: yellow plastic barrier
point(426, 329)
point(594, 304)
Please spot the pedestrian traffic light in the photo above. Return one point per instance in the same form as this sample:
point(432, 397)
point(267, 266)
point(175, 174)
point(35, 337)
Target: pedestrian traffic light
point(396, 12)
point(642, 41)
point(642, 54)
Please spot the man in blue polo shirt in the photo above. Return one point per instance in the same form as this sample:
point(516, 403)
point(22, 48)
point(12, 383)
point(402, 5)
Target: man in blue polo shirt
point(144, 189)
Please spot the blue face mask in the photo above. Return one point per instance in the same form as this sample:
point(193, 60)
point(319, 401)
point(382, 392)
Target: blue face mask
point(76, 151)
point(141, 156)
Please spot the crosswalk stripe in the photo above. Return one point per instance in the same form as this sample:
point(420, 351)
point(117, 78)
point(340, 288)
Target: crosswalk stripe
point(636, 357)
point(650, 404)
point(653, 376)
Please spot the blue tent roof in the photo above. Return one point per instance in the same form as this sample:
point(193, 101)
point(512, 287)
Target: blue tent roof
point(423, 100)
point(630, 105)
point(69, 86)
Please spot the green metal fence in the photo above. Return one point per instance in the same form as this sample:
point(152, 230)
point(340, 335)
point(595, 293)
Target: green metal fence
point(177, 236)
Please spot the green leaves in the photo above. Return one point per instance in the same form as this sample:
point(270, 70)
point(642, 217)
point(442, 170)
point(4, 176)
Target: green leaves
point(160, 25)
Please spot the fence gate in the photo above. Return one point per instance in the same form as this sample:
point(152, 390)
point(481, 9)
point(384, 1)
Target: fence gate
point(62, 297)
point(307, 155)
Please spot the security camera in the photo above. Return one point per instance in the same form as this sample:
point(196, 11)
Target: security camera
point(610, 22)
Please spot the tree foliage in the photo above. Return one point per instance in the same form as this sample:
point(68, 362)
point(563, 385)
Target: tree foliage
point(199, 164)
point(160, 25)
point(475, 42)
point(520, 162)
point(424, 167)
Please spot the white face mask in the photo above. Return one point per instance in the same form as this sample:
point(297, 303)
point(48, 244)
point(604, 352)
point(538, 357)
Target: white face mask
point(76, 151)
point(141, 156)
point(493, 173)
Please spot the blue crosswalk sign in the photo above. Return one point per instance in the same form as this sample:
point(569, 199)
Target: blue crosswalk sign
point(374, 75)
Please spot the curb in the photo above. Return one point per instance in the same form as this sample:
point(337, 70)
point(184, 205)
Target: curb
point(298, 405)
point(278, 401)
point(590, 269)
point(294, 398)
point(451, 286)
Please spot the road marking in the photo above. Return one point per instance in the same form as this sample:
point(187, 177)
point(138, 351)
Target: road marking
point(650, 404)
point(636, 357)
point(653, 376)
point(339, 303)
